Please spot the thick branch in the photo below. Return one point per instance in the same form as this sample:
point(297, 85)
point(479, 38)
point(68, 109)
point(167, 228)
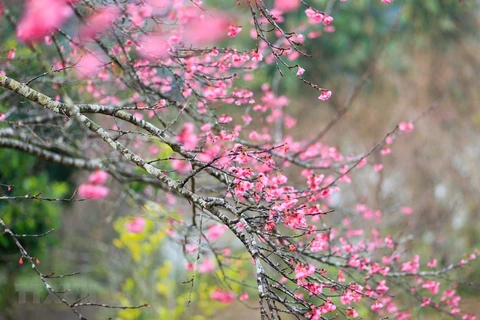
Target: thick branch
point(50, 156)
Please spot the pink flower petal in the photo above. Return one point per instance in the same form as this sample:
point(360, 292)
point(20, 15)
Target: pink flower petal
point(92, 191)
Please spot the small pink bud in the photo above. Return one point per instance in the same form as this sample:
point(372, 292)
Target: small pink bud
point(406, 126)
point(325, 95)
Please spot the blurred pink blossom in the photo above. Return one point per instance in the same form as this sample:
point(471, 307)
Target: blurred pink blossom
point(406, 210)
point(98, 177)
point(222, 296)
point(406, 126)
point(92, 191)
point(432, 263)
point(215, 231)
point(154, 47)
point(376, 306)
point(206, 266)
point(314, 17)
point(137, 225)
point(89, 64)
point(42, 17)
point(208, 29)
point(243, 296)
point(286, 5)
point(159, 3)
point(182, 166)
point(98, 22)
point(187, 136)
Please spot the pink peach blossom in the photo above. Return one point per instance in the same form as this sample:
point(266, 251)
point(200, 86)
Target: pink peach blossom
point(351, 312)
point(187, 136)
point(314, 17)
point(432, 263)
point(92, 191)
point(42, 17)
point(406, 126)
point(325, 95)
point(302, 270)
point(215, 231)
point(233, 31)
point(406, 210)
point(137, 225)
point(88, 65)
point(99, 22)
point(386, 151)
point(376, 306)
point(286, 5)
point(327, 20)
point(226, 297)
point(154, 47)
point(206, 266)
point(159, 3)
point(98, 177)
point(224, 119)
point(182, 166)
point(11, 54)
point(207, 29)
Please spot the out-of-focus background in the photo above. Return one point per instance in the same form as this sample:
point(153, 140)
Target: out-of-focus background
point(431, 58)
